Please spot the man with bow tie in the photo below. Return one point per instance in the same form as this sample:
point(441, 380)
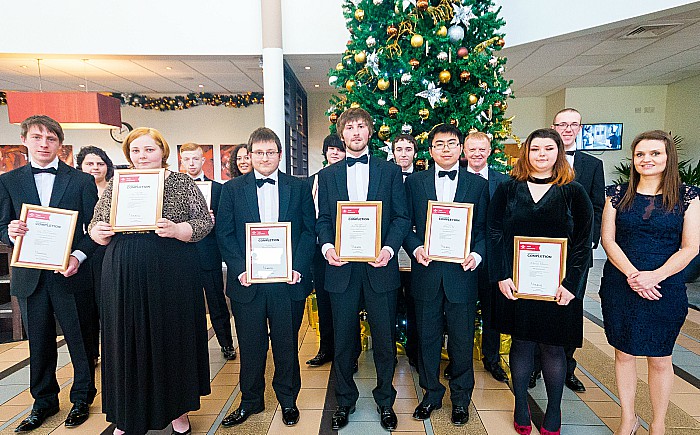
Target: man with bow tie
point(589, 173)
point(362, 178)
point(266, 195)
point(445, 292)
point(43, 294)
point(192, 160)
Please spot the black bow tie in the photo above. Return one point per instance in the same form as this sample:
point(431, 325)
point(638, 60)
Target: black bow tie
point(362, 159)
point(406, 174)
point(452, 174)
point(44, 170)
point(570, 153)
point(261, 181)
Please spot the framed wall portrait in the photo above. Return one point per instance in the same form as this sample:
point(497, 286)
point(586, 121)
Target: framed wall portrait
point(225, 151)
point(65, 154)
point(12, 157)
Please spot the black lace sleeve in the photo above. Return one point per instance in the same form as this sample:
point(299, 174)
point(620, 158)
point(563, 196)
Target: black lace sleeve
point(615, 192)
point(689, 194)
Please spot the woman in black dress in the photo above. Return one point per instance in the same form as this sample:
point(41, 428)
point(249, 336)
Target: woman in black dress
point(541, 200)
point(650, 233)
point(155, 363)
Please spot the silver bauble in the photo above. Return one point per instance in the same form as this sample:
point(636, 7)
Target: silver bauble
point(406, 129)
point(405, 78)
point(455, 33)
point(442, 56)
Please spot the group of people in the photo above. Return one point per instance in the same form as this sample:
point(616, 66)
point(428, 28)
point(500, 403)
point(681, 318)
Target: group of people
point(152, 310)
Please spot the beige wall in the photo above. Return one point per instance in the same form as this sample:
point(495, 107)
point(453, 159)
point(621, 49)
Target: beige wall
point(683, 115)
point(318, 128)
point(529, 114)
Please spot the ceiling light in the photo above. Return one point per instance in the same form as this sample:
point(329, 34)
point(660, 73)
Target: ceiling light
point(168, 68)
point(81, 86)
point(307, 67)
point(73, 110)
point(24, 66)
point(317, 86)
point(201, 86)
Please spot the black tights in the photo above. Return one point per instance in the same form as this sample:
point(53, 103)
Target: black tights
point(522, 354)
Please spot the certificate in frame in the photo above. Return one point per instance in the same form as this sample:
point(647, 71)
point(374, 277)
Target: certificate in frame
point(49, 228)
point(448, 231)
point(205, 188)
point(137, 199)
point(268, 251)
point(539, 266)
point(358, 230)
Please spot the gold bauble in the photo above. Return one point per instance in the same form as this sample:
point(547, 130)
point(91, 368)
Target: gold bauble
point(360, 57)
point(350, 85)
point(333, 118)
point(393, 111)
point(442, 31)
point(414, 63)
point(354, 105)
point(383, 84)
point(501, 42)
point(454, 122)
point(416, 41)
point(472, 99)
point(384, 132)
point(392, 30)
point(464, 76)
point(444, 76)
point(339, 66)
point(424, 114)
point(497, 104)
point(359, 15)
point(483, 85)
point(422, 4)
point(504, 106)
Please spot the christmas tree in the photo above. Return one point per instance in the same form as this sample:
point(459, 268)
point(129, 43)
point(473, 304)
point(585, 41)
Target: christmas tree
point(413, 64)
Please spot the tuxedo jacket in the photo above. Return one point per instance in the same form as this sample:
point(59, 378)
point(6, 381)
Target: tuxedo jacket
point(495, 178)
point(238, 205)
point(589, 173)
point(385, 185)
point(72, 190)
point(460, 286)
point(208, 248)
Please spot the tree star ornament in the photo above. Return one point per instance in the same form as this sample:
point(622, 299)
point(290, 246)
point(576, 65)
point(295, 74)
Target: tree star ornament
point(462, 14)
point(432, 94)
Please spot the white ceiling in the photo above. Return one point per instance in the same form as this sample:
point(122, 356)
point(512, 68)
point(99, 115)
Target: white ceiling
point(592, 57)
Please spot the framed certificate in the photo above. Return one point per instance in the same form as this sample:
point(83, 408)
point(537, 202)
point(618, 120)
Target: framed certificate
point(268, 250)
point(539, 266)
point(47, 243)
point(404, 261)
point(448, 231)
point(358, 230)
point(137, 199)
point(205, 187)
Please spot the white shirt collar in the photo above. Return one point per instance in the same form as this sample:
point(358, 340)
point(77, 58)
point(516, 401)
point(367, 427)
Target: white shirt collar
point(408, 171)
point(53, 164)
point(366, 151)
point(198, 176)
point(439, 168)
point(273, 176)
point(484, 171)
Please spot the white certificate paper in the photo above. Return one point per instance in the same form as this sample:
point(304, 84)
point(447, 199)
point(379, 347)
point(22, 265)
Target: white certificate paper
point(47, 243)
point(358, 230)
point(268, 252)
point(448, 231)
point(137, 199)
point(205, 187)
point(539, 267)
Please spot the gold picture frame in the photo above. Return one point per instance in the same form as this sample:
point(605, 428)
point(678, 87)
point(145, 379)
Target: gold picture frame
point(250, 250)
point(534, 244)
point(433, 207)
point(32, 212)
point(354, 207)
point(120, 177)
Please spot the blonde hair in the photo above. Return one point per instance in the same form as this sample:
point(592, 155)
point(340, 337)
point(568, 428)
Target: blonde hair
point(146, 131)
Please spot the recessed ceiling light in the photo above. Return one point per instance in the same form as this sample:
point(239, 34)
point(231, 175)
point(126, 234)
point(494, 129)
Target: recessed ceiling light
point(317, 86)
point(24, 66)
point(168, 68)
point(201, 86)
point(81, 86)
point(307, 67)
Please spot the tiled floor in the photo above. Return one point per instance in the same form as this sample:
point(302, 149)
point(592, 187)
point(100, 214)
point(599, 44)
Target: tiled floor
point(594, 412)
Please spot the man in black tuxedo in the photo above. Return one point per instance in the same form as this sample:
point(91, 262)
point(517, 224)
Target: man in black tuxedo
point(192, 160)
point(445, 292)
point(43, 294)
point(477, 148)
point(589, 173)
point(266, 195)
point(362, 178)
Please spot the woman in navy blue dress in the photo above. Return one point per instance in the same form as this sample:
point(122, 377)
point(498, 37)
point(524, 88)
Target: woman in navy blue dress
point(650, 233)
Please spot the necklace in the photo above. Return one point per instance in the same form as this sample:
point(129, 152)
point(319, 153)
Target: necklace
point(540, 180)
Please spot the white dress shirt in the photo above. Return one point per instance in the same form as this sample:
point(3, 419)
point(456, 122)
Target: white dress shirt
point(268, 198)
point(406, 173)
point(569, 158)
point(358, 178)
point(198, 177)
point(484, 172)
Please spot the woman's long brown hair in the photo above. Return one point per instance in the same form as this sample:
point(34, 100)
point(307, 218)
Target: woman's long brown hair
point(562, 172)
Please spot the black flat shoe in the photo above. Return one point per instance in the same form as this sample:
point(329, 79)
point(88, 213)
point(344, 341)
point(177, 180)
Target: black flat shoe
point(460, 415)
point(340, 416)
point(229, 352)
point(320, 359)
point(574, 384)
point(290, 416)
point(355, 367)
point(424, 410)
point(239, 416)
point(78, 414)
point(387, 418)
point(534, 376)
point(496, 371)
point(447, 374)
point(36, 418)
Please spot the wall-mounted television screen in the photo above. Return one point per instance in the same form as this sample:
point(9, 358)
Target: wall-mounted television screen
point(600, 137)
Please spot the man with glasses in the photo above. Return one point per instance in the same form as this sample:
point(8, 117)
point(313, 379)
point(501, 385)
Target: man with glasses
point(266, 195)
point(445, 292)
point(589, 173)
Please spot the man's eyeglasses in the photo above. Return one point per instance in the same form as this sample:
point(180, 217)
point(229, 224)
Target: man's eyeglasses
point(261, 154)
point(565, 125)
point(446, 145)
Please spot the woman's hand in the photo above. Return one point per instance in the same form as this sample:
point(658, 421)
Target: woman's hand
point(646, 284)
point(563, 296)
point(168, 228)
point(101, 233)
point(507, 287)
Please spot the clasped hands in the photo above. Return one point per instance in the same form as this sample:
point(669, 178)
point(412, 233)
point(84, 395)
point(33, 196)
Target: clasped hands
point(646, 284)
point(422, 257)
point(381, 261)
point(102, 232)
point(507, 287)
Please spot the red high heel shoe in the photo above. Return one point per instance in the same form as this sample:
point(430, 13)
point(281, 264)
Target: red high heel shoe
point(544, 431)
point(524, 430)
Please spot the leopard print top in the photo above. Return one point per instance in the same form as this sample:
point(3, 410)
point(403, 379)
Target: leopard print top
point(182, 202)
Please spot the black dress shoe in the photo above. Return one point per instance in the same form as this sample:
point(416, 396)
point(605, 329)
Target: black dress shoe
point(340, 416)
point(36, 418)
point(320, 359)
point(290, 416)
point(239, 416)
point(423, 411)
point(387, 418)
point(496, 371)
point(78, 414)
point(534, 376)
point(355, 367)
point(460, 415)
point(574, 384)
point(229, 352)
point(448, 372)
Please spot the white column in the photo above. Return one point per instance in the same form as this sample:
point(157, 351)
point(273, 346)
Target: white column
point(273, 70)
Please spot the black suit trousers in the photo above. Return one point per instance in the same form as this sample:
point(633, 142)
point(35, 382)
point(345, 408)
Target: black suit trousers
point(323, 302)
point(39, 309)
point(381, 315)
point(274, 307)
point(213, 283)
point(405, 300)
point(490, 338)
point(460, 328)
